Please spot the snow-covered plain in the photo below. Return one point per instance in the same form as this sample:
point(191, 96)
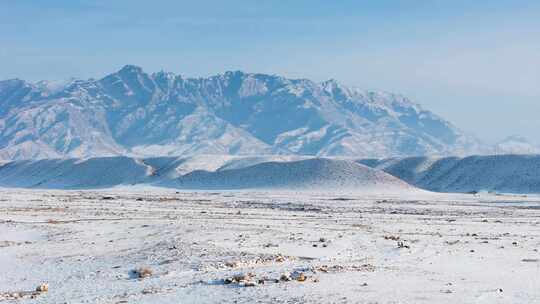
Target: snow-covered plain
point(350, 248)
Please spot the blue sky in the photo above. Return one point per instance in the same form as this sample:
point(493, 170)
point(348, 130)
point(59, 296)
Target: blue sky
point(477, 63)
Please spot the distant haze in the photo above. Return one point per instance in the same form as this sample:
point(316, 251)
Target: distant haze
point(476, 63)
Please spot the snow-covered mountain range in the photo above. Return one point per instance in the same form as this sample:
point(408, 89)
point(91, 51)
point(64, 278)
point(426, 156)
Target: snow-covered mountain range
point(134, 113)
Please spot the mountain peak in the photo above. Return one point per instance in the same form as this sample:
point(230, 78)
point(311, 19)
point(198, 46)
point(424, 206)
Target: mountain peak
point(330, 84)
point(236, 73)
point(131, 69)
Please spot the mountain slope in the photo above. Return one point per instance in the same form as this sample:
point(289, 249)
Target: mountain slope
point(499, 173)
point(131, 112)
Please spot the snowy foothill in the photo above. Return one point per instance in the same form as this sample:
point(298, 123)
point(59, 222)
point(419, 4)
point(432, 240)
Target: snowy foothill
point(516, 174)
point(200, 172)
point(314, 174)
point(519, 174)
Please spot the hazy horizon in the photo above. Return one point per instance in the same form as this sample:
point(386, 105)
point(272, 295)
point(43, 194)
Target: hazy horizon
point(475, 64)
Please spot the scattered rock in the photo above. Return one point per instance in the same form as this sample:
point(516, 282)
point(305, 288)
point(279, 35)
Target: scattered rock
point(150, 291)
point(298, 276)
point(143, 272)
point(43, 287)
point(452, 242)
point(240, 277)
point(8, 243)
point(285, 277)
point(244, 280)
point(267, 259)
point(391, 237)
point(446, 291)
point(400, 244)
point(14, 295)
point(232, 264)
point(280, 258)
point(248, 284)
point(340, 268)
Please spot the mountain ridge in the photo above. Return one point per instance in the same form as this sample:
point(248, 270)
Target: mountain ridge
point(134, 113)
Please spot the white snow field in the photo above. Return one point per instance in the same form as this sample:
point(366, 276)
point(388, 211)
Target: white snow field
point(159, 245)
